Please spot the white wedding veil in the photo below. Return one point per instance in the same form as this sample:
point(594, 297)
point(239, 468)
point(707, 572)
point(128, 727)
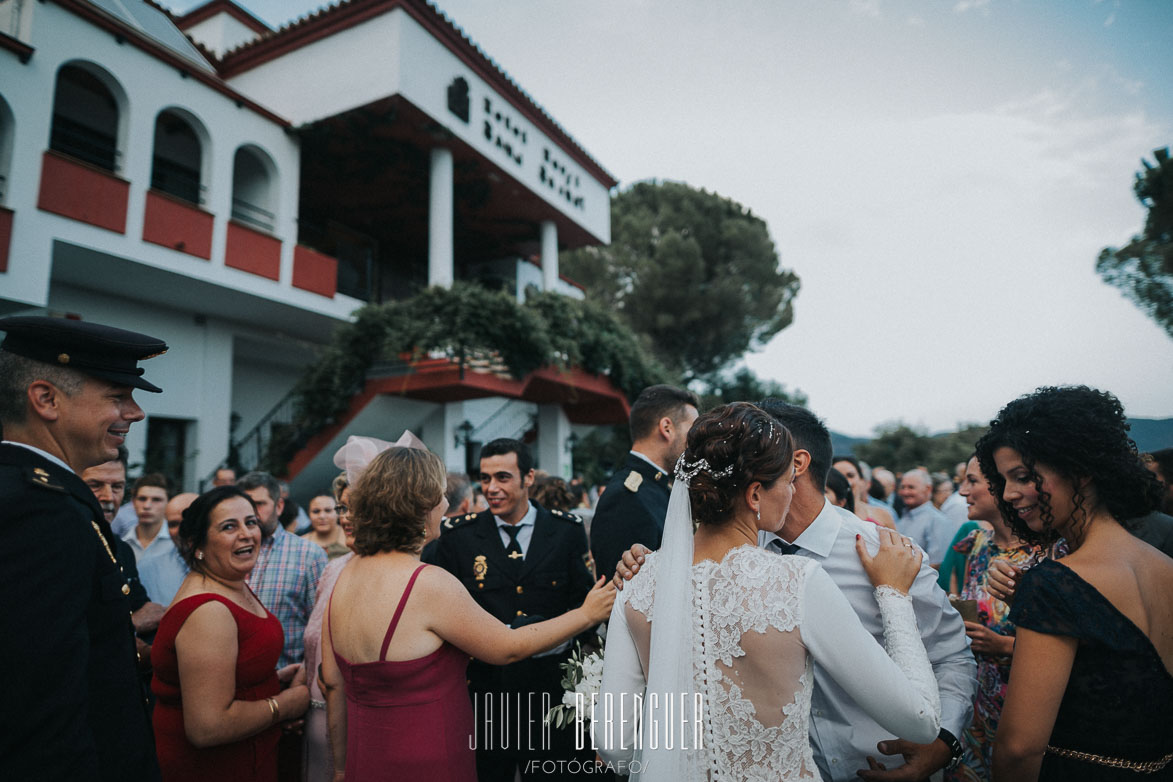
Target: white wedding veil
point(670, 709)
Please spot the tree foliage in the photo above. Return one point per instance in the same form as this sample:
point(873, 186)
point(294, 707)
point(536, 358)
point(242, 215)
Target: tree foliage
point(1143, 268)
point(899, 446)
point(463, 321)
point(745, 386)
point(694, 273)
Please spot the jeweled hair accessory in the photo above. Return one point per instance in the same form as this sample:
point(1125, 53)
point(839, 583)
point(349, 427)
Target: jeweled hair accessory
point(686, 471)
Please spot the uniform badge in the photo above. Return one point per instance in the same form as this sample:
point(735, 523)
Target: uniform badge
point(480, 567)
point(632, 481)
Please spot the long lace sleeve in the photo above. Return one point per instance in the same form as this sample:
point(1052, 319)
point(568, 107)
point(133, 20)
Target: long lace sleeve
point(623, 677)
point(898, 692)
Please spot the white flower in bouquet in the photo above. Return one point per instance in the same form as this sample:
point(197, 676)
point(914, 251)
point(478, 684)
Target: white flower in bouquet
point(582, 679)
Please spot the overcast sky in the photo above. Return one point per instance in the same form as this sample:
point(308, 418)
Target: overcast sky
point(941, 175)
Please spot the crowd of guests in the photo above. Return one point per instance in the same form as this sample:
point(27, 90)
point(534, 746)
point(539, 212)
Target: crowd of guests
point(1008, 622)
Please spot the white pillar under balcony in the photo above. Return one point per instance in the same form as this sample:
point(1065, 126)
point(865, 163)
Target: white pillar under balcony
point(549, 255)
point(440, 244)
point(553, 440)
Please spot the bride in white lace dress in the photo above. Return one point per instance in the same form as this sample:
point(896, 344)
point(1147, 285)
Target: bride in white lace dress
point(707, 674)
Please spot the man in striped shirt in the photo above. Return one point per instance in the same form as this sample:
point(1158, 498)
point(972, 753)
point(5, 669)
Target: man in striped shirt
point(288, 568)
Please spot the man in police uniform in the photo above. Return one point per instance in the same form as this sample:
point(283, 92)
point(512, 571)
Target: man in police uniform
point(74, 708)
point(634, 504)
point(521, 563)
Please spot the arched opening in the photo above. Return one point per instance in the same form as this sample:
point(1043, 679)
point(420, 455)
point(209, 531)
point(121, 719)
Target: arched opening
point(253, 186)
point(177, 162)
point(85, 118)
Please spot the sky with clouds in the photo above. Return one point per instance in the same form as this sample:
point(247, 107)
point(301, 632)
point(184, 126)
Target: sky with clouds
point(941, 175)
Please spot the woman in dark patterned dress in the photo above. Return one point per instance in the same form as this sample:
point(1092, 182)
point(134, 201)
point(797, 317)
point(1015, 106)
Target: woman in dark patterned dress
point(1090, 695)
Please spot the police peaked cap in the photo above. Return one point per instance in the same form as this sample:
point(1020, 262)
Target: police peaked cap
point(93, 349)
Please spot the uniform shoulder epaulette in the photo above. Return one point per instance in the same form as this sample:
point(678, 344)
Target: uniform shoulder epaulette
point(453, 522)
point(633, 481)
point(567, 516)
point(38, 476)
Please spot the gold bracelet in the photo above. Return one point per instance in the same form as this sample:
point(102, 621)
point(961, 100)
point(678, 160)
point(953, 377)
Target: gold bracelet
point(274, 710)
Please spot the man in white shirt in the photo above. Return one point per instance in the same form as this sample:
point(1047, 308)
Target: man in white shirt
point(149, 495)
point(844, 739)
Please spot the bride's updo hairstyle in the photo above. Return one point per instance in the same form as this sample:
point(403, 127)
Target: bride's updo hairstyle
point(728, 449)
point(391, 500)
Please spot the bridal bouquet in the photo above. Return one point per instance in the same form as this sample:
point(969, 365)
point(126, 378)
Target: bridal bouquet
point(581, 679)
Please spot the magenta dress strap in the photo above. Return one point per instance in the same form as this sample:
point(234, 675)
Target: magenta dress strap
point(398, 612)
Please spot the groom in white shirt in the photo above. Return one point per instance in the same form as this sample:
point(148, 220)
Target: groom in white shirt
point(844, 739)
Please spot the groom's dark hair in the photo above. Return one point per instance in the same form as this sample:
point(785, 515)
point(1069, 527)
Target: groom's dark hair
point(810, 434)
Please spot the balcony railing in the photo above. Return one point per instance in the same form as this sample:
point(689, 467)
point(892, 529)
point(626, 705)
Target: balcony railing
point(83, 142)
point(178, 180)
point(251, 214)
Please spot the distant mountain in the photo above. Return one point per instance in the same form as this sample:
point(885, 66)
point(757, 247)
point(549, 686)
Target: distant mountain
point(842, 443)
point(1152, 434)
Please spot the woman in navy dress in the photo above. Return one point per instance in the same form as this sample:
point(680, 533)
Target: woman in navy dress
point(1090, 695)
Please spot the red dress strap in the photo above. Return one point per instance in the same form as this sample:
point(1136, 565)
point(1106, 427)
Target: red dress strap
point(398, 612)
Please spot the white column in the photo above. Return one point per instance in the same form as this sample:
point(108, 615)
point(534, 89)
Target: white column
point(439, 431)
point(553, 434)
point(549, 255)
point(440, 252)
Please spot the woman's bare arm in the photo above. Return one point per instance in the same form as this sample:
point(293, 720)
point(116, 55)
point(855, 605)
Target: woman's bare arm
point(206, 648)
point(1038, 679)
point(334, 688)
point(464, 624)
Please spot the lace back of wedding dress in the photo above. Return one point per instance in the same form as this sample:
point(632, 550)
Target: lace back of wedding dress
point(750, 664)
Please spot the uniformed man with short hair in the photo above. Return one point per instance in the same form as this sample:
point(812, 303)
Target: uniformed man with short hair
point(522, 563)
point(635, 501)
point(74, 707)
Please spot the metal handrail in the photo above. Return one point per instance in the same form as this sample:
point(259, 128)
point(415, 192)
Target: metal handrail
point(251, 213)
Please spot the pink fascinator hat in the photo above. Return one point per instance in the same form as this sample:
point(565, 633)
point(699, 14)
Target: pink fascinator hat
point(358, 452)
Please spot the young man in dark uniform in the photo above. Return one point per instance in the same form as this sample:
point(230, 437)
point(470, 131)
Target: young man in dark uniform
point(521, 563)
point(75, 709)
point(634, 504)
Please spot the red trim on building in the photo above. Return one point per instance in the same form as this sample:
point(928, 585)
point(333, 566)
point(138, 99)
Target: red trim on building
point(575, 283)
point(350, 13)
point(214, 7)
point(77, 190)
point(314, 271)
point(586, 398)
point(18, 47)
point(99, 18)
point(6, 216)
point(178, 224)
point(252, 251)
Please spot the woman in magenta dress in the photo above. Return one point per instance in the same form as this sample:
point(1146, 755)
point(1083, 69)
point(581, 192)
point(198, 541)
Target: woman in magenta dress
point(215, 654)
point(399, 635)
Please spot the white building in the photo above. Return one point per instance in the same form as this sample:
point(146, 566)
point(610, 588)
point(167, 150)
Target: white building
point(239, 192)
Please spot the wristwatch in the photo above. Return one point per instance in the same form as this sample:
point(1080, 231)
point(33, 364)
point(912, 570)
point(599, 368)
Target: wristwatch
point(955, 749)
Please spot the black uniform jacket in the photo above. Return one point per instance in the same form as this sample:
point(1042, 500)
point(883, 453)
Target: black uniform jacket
point(74, 707)
point(553, 578)
point(631, 510)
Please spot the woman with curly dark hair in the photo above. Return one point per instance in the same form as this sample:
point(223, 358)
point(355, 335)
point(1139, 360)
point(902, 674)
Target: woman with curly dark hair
point(1090, 695)
point(718, 634)
point(394, 669)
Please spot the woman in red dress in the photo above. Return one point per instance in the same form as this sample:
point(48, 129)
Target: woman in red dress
point(215, 655)
point(399, 634)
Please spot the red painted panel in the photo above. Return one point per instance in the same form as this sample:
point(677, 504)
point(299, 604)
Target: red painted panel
point(252, 251)
point(5, 236)
point(177, 224)
point(314, 271)
point(83, 192)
